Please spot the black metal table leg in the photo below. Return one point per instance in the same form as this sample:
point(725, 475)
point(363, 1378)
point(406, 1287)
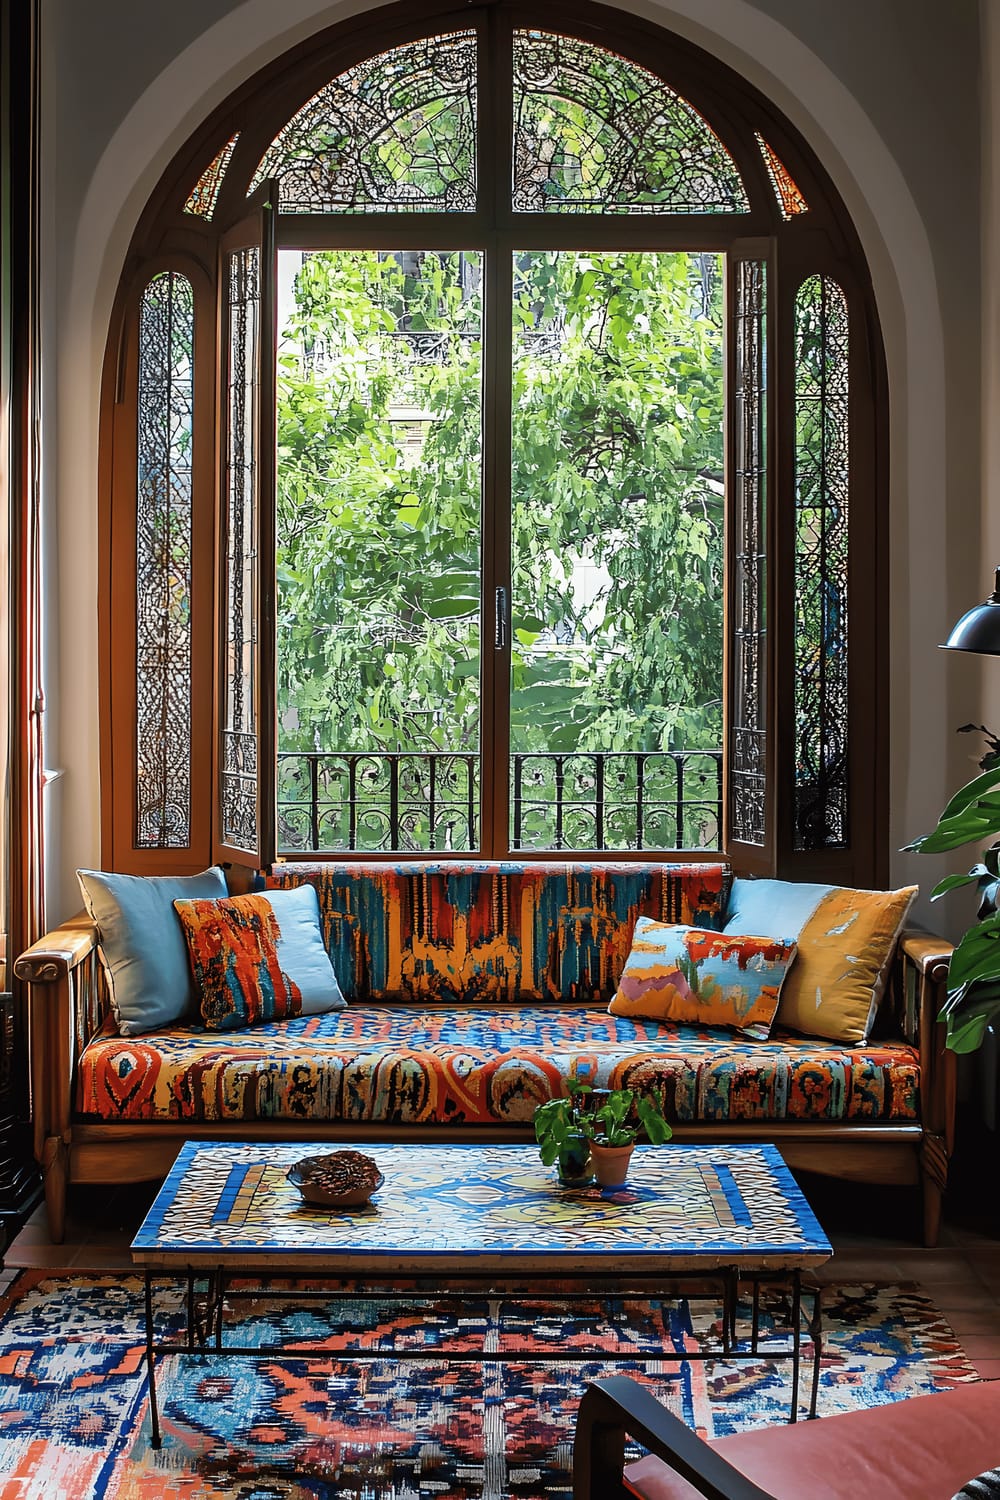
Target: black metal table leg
point(154, 1415)
point(796, 1341)
point(192, 1336)
point(815, 1327)
point(218, 1301)
point(730, 1292)
point(755, 1317)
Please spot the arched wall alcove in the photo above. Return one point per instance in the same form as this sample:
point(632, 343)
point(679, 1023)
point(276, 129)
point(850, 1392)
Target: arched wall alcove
point(932, 456)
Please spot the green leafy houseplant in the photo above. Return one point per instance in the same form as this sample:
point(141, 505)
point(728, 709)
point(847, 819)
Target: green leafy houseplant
point(614, 1117)
point(972, 815)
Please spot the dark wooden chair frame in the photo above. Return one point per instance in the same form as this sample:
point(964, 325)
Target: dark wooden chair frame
point(613, 1407)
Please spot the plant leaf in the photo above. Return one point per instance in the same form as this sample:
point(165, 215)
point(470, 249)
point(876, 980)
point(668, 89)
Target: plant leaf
point(970, 825)
point(976, 959)
point(953, 882)
point(966, 1014)
point(972, 813)
point(967, 1035)
point(971, 792)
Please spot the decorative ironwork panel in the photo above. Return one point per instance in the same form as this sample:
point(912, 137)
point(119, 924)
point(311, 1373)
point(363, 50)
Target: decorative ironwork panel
point(163, 564)
point(238, 784)
point(394, 134)
point(617, 800)
point(786, 191)
point(822, 482)
point(595, 133)
point(749, 705)
point(413, 803)
point(205, 193)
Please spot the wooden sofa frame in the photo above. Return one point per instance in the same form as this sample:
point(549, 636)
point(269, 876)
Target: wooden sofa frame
point(67, 1002)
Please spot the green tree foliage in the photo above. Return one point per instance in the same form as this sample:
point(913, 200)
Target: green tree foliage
point(616, 468)
point(617, 456)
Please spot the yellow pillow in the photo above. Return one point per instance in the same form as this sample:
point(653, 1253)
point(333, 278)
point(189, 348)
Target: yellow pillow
point(846, 939)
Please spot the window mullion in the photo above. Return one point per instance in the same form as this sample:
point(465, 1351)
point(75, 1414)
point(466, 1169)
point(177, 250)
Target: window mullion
point(750, 736)
point(495, 671)
point(495, 127)
point(245, 791)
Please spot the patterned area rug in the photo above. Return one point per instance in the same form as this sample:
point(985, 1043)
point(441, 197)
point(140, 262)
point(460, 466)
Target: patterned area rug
point(74, 1413)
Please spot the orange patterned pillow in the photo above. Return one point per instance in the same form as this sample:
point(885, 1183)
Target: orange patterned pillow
point(258, 958)
point(689, 974)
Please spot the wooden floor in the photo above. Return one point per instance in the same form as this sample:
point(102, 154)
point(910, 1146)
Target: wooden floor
point(875, 1233)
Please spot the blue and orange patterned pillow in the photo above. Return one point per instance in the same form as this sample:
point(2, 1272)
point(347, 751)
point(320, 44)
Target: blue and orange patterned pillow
point(258, 958)
point(692, 975)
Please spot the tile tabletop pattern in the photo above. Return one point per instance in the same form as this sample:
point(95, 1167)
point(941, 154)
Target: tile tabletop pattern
point(703, 1205)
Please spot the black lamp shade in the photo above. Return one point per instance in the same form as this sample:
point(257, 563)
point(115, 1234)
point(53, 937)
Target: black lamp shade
point(979, 628)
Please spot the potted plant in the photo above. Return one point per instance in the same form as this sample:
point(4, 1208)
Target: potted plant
point(972, 815)
point(607, 1120)
point(563, 1141)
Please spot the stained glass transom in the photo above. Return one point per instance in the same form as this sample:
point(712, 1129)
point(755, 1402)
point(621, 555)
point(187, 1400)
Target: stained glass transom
point(786, 191)
point(394, 134)
point(822, 475)
point(749, 711)
point(239, 738)
point(163, 564)
point(595, 133)
point(205, 193)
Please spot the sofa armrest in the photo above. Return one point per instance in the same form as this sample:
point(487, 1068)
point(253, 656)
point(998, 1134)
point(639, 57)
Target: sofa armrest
point(617, 1405)
point(59, 951)
point(922, 975)
point(67, 1005)
point(918, 985)
point(930, 955)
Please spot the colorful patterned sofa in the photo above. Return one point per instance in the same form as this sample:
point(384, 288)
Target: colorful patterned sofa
point(473, 992)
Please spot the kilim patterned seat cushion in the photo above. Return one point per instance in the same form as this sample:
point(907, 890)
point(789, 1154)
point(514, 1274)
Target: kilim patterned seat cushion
point(485, 1064)
point(470, 933)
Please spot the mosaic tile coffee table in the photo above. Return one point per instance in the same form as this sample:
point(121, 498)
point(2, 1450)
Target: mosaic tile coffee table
point(704, 1217)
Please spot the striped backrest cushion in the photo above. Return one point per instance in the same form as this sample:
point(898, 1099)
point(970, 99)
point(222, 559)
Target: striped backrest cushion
point(428, 931)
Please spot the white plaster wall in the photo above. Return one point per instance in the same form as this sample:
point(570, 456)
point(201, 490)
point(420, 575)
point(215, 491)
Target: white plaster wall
point(886, 92)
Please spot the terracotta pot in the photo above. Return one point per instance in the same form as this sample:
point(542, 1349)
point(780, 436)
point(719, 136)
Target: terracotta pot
point(610, 1163)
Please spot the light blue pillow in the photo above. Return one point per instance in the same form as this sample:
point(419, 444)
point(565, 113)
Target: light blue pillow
point(259, 958)
point(772, 908)
point(142, 942)
point(846, 939)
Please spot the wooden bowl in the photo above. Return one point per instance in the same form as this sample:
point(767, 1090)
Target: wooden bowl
point(310, 1176)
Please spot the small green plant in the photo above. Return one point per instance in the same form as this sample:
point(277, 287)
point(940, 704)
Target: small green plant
point(610, 1117)
point(972, 815)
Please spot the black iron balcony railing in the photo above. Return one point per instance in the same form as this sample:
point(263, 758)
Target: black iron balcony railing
point(424, 803)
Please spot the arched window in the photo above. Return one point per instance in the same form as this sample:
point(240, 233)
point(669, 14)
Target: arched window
point(493, 465)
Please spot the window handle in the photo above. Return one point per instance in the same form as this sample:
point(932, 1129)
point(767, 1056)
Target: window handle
point(500, 619)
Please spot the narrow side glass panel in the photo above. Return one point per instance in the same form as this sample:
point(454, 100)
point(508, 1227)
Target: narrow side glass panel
point(378, 550)
point(163, 564)
point(238, 783)
point(617, 529)
point(749, 706)
point(595, 133)
point(394, 134)
point(205, 193)
point(783, 185)
point(822, 488)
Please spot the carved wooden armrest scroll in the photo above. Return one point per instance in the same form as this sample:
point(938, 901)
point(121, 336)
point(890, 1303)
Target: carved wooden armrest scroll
point(929, 954)
point(58, 952)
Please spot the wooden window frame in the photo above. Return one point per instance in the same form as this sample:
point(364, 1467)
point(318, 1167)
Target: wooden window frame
point(821, 240)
